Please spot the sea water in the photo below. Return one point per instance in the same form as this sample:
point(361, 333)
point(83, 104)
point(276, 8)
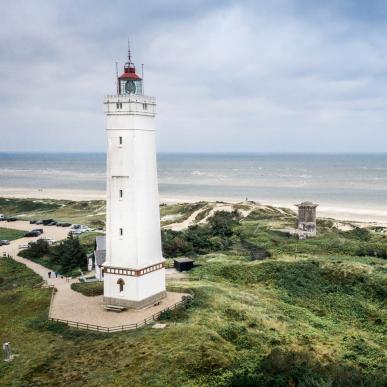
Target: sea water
point(350, 180)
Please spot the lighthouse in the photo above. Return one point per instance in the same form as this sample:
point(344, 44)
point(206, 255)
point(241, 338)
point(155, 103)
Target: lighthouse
point(134, 273)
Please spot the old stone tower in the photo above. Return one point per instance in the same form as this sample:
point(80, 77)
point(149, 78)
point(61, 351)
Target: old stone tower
point(307, 218)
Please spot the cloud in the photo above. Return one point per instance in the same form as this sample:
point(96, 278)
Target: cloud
point(229, 76)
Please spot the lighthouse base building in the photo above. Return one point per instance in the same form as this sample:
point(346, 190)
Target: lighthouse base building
point(134, 273)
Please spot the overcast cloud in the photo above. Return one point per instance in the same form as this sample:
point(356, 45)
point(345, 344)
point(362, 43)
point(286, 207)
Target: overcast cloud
point(229, 76)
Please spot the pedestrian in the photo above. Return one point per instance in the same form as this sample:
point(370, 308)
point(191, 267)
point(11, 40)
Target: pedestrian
point(49, 274)
point(56, 275)
point(7, 351)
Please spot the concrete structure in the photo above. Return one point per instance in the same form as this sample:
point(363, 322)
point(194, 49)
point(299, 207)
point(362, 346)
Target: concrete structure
point(307, 226)
point(134, 274)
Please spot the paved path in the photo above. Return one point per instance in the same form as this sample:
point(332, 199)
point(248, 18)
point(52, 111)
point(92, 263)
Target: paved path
point(74, 306)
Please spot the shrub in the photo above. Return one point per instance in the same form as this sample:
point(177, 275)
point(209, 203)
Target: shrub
point(37, 249)
point(89, 289)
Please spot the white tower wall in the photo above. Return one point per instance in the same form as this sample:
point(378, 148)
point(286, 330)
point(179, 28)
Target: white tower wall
point(133, 240)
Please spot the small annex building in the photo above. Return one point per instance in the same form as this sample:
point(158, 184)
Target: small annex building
point(97, 258)
point(183, 264)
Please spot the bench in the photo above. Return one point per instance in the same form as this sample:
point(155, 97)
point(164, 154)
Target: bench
point(115, 308)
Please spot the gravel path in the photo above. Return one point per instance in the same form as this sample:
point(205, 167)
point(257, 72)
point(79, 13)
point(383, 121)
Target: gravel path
point(74, 306)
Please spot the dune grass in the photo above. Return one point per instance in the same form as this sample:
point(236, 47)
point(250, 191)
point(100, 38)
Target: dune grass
point(312, 315)
point(263, 323)
point(91, 213)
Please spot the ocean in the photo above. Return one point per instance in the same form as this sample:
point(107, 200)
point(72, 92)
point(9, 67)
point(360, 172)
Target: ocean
point(349, 180)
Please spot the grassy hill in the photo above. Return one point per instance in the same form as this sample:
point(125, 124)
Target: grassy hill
point(313, 314)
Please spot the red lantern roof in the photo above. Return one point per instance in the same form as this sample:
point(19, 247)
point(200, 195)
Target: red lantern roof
point(129, 69)
point(129, 73)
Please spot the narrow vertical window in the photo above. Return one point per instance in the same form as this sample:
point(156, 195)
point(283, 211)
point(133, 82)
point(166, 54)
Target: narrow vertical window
point(121, 232)
point(121, 194)
point(145, 106)
point(121, 284)
point(120, 140)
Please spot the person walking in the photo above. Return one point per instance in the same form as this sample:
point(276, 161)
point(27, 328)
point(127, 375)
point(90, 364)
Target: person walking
point(49, 274)
point(56, 275)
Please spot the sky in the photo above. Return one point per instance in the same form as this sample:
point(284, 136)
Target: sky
point(229, 76)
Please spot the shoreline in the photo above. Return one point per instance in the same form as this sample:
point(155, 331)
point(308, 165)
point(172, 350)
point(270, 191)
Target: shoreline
point(371, 216)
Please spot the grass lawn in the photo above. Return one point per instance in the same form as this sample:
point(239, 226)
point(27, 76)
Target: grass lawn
point(11, 234)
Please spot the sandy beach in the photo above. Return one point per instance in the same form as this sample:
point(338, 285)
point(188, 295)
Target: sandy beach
point(359, 215)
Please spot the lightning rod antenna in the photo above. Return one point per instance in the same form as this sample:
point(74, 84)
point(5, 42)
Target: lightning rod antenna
point(142, 76)
point(129, 53)
point(117, 77)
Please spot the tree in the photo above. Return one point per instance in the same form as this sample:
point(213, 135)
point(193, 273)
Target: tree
point(71, 254)
point(38, 249)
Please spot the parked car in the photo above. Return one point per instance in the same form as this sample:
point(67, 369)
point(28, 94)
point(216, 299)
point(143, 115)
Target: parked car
point(39, 222)
point(4, 242)
point(32, 221)
point(38, 229)
point(23, 246)
point(64, 224)
point(52, 223)
point(46, 222)
point(75, 226)
point(2, 217)
point(32, 234)
point(11, 219)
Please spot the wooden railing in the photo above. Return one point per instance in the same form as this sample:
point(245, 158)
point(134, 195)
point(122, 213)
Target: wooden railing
point(121, 328)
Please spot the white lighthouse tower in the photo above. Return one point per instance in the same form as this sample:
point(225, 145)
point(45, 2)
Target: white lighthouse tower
point(134, 274)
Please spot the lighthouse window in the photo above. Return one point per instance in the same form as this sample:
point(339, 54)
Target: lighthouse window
point(121, 193)
point(121, 232)
point(121, 284)
point(120, 140)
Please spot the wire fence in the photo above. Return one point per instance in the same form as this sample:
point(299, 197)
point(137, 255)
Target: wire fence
point(122, 328)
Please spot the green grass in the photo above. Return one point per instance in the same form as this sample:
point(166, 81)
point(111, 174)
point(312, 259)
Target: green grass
point(267, 323)
point(89, 289)
point(312, 315)
point(91, 213)
point(11, 234)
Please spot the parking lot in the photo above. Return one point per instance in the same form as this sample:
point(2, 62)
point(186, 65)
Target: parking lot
point(53, 232)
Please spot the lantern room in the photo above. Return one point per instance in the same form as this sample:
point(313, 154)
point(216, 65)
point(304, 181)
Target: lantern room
point(129, 82)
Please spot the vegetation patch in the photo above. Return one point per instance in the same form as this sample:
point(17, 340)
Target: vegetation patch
point(89, 289)
point(311, 314)
point(11, 234)
point(64, 257)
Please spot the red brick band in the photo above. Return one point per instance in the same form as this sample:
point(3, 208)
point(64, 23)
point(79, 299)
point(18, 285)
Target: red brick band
point(133, 272)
